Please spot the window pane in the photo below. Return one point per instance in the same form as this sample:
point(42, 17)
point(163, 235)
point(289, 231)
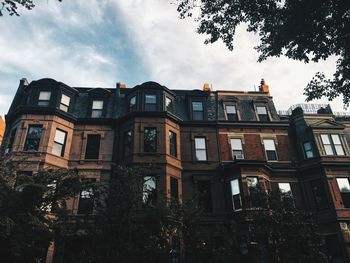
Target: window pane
point(328, 149)
point(325, 139)
point(132, 101)
point(65, 99)
point(261, 110)
point(236, 144)
point(339, 149)
point(200, 143)
point(174, 189)
point(151, 99)
point(169, 104)
point(33, 138)
point(57, 149)
point(150, 140)
point(63, 107)
point(44, 95)
point(230, 109)
point(284, 187)
point(97, 105)
point(307, 146)
point(197, 115)
point(235, 187)
point(335, 139)
point(197, 106)
point(269, 145)
point(344, 185)
point(60, 136)
point(252, 182)
point(149, 192)
point(201, 155)
point(271, 155)
point(96, 113)
point(173, 146)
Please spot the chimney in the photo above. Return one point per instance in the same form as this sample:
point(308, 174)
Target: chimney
point(119, 86)
point(206, 87)
point(264, 87)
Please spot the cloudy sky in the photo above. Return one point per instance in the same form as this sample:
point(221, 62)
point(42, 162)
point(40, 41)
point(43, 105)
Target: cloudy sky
point(98, 42)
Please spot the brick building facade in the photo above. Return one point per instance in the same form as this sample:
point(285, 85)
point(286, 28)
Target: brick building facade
point(220, 143)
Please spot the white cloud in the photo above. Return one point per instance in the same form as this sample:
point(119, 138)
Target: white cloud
point(178, 58)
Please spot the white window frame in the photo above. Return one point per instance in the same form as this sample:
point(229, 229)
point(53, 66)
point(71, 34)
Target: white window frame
point(59, 143)
point(234, 185)
point(97, 108)
point(332, 144)
point(237, 156)
point(266, 146)
point(65, 102)
point(44, 98)
point(198, 149)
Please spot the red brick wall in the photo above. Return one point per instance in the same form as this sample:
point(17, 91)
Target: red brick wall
point(225, 149)
point(252, 147)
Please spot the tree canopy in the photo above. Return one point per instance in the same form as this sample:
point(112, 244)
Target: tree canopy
point(11, 6)
point(300, 30)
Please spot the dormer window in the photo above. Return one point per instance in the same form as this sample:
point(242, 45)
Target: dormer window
point(64, 104)
point(97, 108)
point(308, 150)
point(132, 104)
point(231, 112)
point(44, 98)
point(262, 113)
point(332, 144)
point(197, 110)
point(150, 102)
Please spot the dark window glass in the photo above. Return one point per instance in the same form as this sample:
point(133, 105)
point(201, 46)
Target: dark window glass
point(236, 195)
point(169, 104)
point(262, 113)
point(320, 196)
point(11, 140)
point(231, 113)
point(132, 104)
point(149, 191)
point(33, 138)
point(308, 150)
point(86, 200)
point(150, 102)
point(59, 143)
point(174, 189)
point(205, 200)
point(150, 140)
point(97, 108)
point(270, 149)
point(173, 146)
point(64, 104)
point(93, 146)
point(127, 142)
point(344, 187)
point(200, 148)
point(44, 98)
point(197, 110)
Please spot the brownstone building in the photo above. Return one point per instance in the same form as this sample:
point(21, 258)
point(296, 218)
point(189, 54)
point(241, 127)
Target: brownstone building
point(219, 143)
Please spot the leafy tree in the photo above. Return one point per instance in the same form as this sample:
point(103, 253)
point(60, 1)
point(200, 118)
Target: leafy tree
point(301, 30)
point(285, 233)
point(31, 208)
point(11, 6)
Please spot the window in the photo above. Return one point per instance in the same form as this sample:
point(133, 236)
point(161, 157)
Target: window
point(33, 138)
point(149, 191)
point(44, 98)
point(332, 144)
point(286, 194)
point(11, 140)
point(59, 142)
point(262, 113)
point(86, 200)
point(308, 150)
point(174, 189)
point(285, 188)
point(150, 102)
point(127, 143)
point(344, 187)
point(172, 142)
point(132, 104)
point(201, 150)
point(97, 108)
point(319, 192)
point(253, 188)
point(150, 140)
point(236, 195)
point(92, 146)
point(64, 104)
point(231, 113)
point(270, 149)
point(204, 191)
point(169, 104)
point(197, 110)
point(237, 149)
